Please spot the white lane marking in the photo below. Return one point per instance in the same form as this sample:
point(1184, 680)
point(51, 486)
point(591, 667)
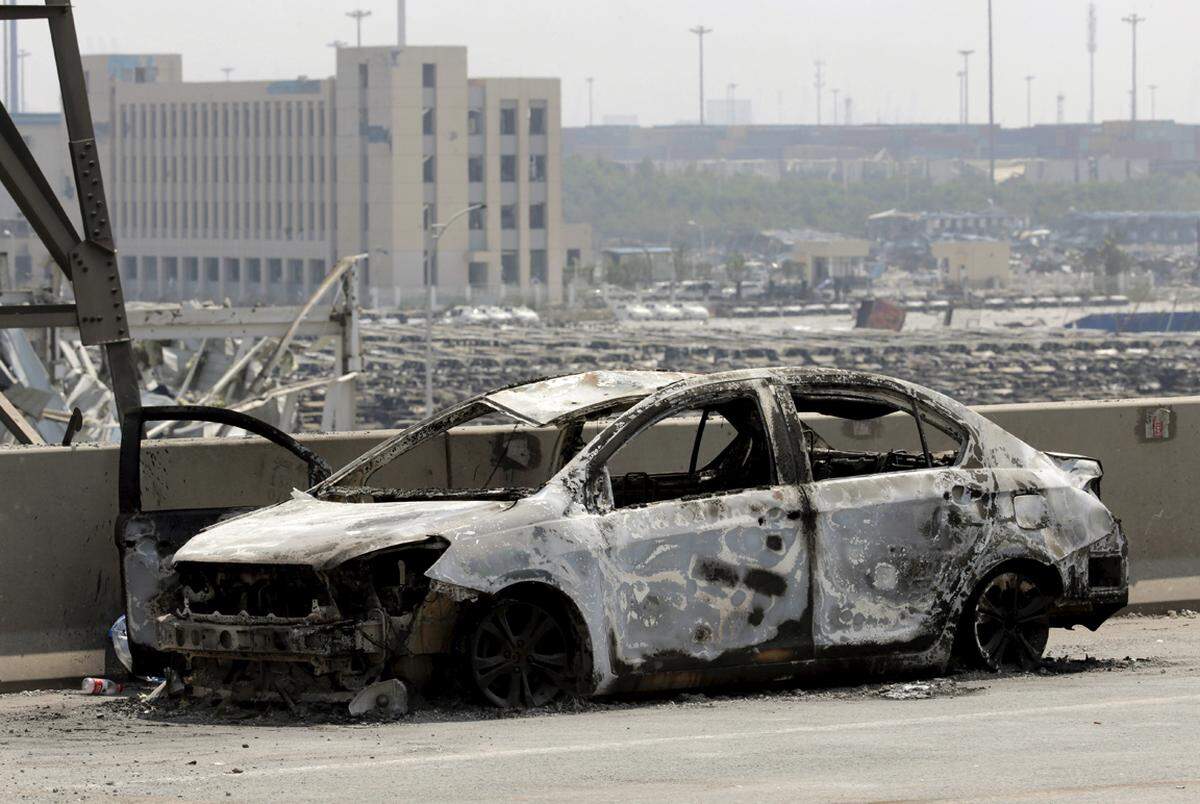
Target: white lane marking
point(616, 745)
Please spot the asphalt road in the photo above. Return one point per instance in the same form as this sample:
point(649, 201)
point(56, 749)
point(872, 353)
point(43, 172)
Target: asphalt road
point(1100, 726)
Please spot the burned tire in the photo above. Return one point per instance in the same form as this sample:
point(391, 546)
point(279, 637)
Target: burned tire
point(1007, 622)
point(520, 654)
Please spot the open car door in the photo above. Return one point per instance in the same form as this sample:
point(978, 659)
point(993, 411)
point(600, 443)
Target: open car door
point(147, 539)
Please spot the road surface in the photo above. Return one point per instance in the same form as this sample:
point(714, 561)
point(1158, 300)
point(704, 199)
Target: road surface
point(1119, 718)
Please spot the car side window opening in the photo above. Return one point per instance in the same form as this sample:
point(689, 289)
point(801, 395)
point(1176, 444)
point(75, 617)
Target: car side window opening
point(716, 448)
point(854, 436)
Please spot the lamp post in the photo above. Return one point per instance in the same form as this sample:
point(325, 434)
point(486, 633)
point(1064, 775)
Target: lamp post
point(8, 275)
point(438, 229)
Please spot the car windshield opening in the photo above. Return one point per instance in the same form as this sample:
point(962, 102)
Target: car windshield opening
point(475, 452)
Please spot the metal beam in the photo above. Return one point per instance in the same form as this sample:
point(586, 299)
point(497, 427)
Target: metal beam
point(32, 12)
point(28, 316)
point(178, 322)
point(33, 195)
point(15, 422)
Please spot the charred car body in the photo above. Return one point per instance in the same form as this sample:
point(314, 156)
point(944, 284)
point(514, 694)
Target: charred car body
point(637, 530)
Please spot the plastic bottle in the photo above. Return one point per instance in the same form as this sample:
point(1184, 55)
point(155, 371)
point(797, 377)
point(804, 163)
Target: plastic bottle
point(101, 686)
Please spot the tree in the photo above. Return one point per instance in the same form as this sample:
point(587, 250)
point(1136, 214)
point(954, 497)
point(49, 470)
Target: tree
point(735, 270)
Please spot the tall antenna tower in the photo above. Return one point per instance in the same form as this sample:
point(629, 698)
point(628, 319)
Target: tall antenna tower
point(700, 31)
point(1091, 48)
point(1134, 21)
point(1060, 118)
point(819, 84)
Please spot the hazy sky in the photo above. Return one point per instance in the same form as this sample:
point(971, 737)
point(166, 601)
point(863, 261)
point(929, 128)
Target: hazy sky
point(896, 58)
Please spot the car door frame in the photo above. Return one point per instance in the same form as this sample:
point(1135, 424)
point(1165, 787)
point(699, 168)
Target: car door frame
point(796, 641)
point(145, 540)
point(966, 496)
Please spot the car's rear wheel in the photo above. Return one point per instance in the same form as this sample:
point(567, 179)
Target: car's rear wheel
point(1009, 622)
point(520, 655)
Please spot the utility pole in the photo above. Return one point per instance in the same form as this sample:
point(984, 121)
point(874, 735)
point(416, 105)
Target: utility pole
point(14, 65)
point(835, 92)
point(1153, 98)
point(1134, 20)
point(227, 71)
point(991, 106)
point(1029, 100)
point(966, 84)
point(22, 54)
point(819, 83)
point(1059, 116)
point(1091, 47)
point(437, 229)
point(358, 15)
point(962, 118)
point(591, 82)
point(700, 31)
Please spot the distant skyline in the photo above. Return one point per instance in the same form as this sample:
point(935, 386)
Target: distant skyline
point(897, 60)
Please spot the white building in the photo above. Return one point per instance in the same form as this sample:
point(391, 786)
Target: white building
point(250, 190)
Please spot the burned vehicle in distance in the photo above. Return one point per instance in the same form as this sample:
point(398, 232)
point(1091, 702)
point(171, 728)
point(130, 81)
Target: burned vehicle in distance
point(626, 530)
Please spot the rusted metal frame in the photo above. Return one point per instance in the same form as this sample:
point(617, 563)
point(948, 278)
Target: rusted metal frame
point(16, 423)
point(696, 442)
point(129, 485)
point(88, 262)
point(342, 266)
point(916, 414)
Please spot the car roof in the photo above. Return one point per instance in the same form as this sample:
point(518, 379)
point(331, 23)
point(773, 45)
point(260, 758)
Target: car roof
point(544, 401)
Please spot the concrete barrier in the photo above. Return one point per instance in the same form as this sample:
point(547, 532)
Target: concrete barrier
point(60, 582)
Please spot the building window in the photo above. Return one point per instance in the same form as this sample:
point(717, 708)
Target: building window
point(508, 120)
point(537, 216)
point(537, 119)
point(429, 76)
point(508, 268)
point(477, 218)
point(477, 274)
point(508, 168)
point(537, 168)
point(191, 269)
point(537, 266)
point(475, 121)
point(475, 168)
point(428, 170)
point(427, 122)
point(508, 216)
point(131, 268)
point(254, 271)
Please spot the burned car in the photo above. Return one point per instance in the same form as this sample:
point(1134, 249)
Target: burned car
point(625, 530)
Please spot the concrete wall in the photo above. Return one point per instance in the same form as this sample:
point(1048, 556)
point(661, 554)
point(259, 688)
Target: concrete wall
point(59, 578)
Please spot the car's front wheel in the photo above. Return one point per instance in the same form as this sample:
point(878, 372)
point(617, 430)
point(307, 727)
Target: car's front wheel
point(519, 655)
point(1008, 622)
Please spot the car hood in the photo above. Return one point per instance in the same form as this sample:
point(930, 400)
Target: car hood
point(322, 534)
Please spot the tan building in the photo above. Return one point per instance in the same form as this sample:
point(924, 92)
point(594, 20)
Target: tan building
point(818, 256)
point(250, 190)
point(973, 264)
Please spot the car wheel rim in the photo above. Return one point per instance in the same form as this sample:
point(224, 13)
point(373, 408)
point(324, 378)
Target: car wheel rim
point(519, 656)
point(1012, 623)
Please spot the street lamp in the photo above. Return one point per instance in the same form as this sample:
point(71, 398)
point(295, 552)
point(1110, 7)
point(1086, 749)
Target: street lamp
point(8, 275)
point(438, 229)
